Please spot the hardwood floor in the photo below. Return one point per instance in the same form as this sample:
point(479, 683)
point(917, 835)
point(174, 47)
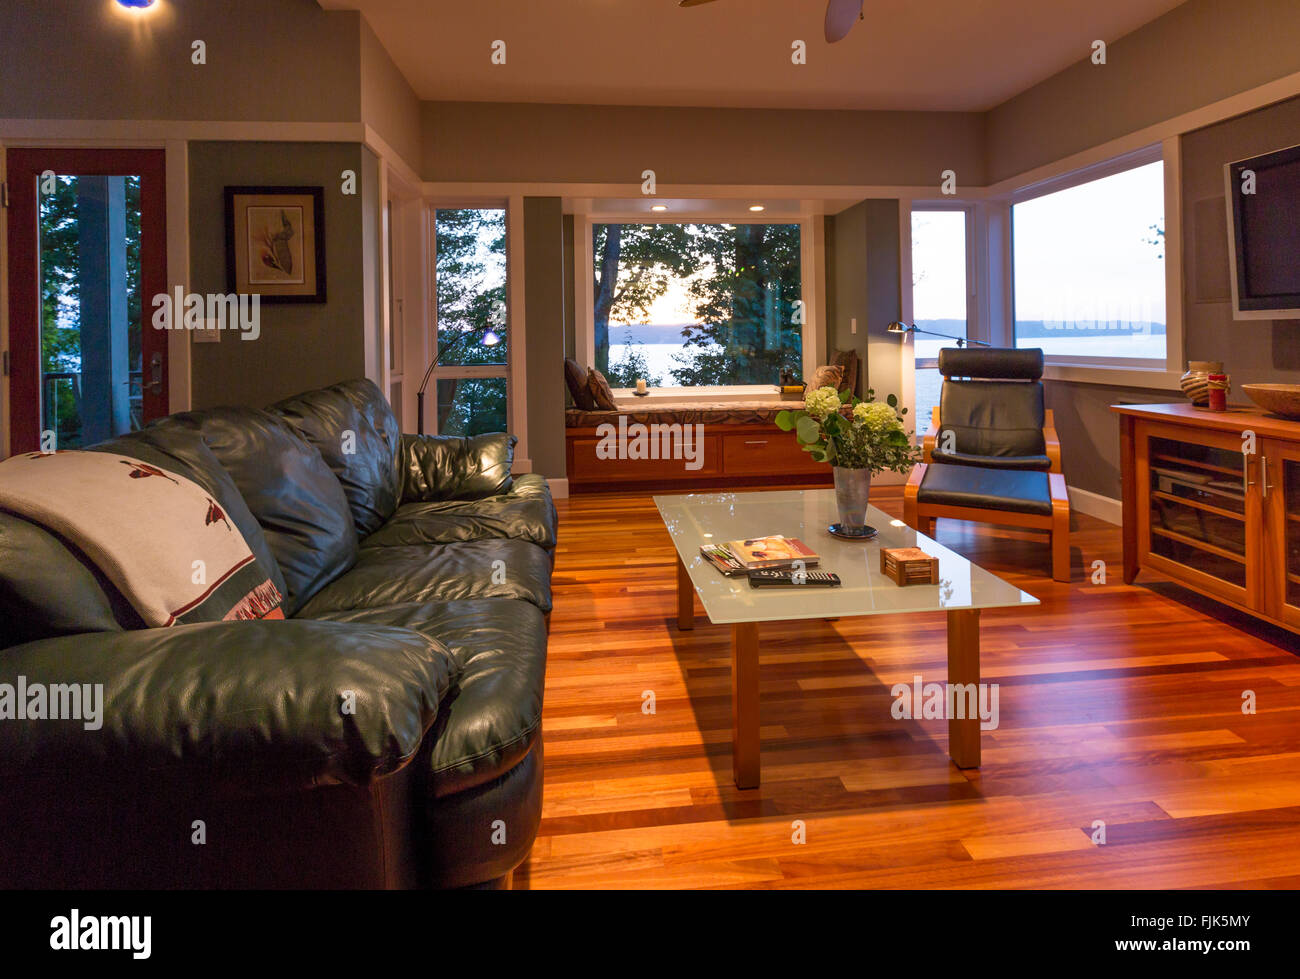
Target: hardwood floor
point(1117, 703)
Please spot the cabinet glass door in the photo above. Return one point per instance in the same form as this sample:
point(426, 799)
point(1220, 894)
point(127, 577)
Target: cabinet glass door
point(1201, 512)
point(1281, 489)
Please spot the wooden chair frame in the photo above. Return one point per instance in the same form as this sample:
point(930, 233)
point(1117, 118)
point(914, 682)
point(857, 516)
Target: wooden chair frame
point(921, 516)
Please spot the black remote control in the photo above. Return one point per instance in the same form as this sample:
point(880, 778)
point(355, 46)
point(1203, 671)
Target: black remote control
point(785, 576)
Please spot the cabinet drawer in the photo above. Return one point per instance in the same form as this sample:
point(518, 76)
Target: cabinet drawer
point(629, 462)
point(763, 455)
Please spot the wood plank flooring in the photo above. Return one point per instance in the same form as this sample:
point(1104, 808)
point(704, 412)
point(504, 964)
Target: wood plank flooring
point(1119, 704)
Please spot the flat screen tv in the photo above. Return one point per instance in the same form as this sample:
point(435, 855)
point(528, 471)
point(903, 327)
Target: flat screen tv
point(1264, 199)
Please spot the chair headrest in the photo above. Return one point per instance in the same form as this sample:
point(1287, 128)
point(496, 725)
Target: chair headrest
point(1001, 363)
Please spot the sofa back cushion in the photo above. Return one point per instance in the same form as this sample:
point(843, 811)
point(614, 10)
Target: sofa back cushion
point(47, 588)
point(357, 435)
point(295, 497)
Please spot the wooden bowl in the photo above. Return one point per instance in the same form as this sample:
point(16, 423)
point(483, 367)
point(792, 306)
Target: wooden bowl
point(1281, 399)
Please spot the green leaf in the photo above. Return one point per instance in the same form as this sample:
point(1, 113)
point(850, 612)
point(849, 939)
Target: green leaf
point(808, 431)
point(846, 396)
point(785, 420)
point(892, 401)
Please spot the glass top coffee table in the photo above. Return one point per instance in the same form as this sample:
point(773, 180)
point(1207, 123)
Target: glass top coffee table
point(703, 518)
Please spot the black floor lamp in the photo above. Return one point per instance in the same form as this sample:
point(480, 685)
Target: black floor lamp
point(487, 337)
point(903, 328)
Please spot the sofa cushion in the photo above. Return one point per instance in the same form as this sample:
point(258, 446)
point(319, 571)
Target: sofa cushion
point(451, 467)
point(464, 569)
point(288, 488)
point(492, 715)
point(49, 589)
point(525, 513)
point(357, 435)
point(990, 489)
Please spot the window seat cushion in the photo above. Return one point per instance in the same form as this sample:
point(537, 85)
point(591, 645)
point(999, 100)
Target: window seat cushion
point(686, 413)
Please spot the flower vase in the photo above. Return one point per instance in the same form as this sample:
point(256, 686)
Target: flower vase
point(852, 487)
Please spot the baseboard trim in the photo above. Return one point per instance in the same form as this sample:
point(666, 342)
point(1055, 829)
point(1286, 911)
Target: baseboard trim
point(1095, 505)
point(559, 488)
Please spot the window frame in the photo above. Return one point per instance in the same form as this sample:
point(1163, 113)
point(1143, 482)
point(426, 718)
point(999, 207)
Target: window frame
point(1126, 371)
point(811, 291)
point(516, 411)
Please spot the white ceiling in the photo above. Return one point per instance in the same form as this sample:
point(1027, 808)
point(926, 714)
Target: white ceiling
point(907, 54)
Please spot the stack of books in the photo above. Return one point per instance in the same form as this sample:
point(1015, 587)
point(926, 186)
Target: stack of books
point(739, 557)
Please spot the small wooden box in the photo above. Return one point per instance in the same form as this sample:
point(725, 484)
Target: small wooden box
point(909, 566)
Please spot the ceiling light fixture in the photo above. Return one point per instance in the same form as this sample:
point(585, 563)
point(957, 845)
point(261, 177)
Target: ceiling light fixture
point(757, 207)
point(135, 4)
point(658, 207)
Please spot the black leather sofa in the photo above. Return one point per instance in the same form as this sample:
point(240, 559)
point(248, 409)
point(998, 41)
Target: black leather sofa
point(416, 575)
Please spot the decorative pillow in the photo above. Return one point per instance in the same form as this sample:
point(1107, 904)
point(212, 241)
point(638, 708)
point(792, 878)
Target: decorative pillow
point(848, 360)
point(826, 376)
point(601, 393)
point(576, 378)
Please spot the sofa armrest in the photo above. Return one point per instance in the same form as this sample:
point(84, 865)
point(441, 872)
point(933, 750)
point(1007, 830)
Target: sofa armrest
point(448, 467)
point(283, 704)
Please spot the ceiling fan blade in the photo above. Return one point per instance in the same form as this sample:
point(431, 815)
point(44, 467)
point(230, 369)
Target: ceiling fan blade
point(840, 18)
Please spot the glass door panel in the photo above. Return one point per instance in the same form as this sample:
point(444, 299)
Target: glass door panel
point(1198, 515)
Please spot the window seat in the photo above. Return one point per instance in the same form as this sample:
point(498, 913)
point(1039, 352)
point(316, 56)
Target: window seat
point(685, 412)
point(737, 443)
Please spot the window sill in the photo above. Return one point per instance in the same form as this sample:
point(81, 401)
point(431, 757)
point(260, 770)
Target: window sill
point(1148, 378)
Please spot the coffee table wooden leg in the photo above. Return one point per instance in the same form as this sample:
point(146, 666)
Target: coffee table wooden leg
point(685, 598)
point(964, 668)
point(744, 704)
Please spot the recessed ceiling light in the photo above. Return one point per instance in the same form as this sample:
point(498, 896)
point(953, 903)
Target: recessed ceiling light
point(658, 207)
point(135, 4)
point(757, 207)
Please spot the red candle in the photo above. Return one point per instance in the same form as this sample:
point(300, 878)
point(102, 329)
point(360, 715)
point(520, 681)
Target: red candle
point(1218, 392)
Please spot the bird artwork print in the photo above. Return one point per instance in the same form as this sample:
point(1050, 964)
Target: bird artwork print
point(277, 255)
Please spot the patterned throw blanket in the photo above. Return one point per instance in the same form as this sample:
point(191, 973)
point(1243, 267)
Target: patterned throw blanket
point(157, 536)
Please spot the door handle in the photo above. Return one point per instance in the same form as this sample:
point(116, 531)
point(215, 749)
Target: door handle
point(1246, 484)
point(1263, 475)
point(756, 442)
point(155, 374)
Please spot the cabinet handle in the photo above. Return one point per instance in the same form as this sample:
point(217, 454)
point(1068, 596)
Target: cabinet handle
point(1246, 484)
point(756, 442)
point(1263, 475)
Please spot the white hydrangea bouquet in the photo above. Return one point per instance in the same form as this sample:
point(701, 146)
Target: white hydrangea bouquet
point(851, 433)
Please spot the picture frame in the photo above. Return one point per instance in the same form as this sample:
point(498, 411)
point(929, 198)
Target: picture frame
point(275, 243)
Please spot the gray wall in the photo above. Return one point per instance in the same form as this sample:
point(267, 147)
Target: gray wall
point(862, 281)
point(544, 276)
point(1197, 54)
point(304, 345)
point(485, 141)
point(281, 60)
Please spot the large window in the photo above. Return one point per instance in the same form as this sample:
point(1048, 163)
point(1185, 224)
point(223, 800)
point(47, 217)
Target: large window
point(470, 308)
point(939, 297)
point(1089, 269)
point(684, 305)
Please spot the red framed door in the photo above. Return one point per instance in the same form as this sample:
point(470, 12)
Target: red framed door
point(39, 309)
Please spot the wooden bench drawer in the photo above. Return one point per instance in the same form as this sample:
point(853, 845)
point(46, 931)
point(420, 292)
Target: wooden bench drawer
point(585, 465)
point(760, 455)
